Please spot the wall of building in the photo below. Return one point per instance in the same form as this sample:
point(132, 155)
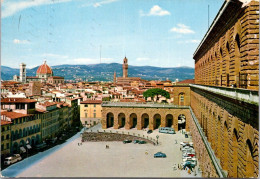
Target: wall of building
point(140, 114)
point(234, 57)
point(90, 113)
point(5, 139)
point(232, 129)
point(177, 92)
point(25, 129)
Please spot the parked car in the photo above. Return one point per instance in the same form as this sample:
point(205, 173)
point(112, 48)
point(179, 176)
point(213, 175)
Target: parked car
point(149, 131)
point(160, 155)
point(127, 141)
point(167, 130)
point(136, 141)
point(141, 142)
point(186, 136)
point(14, 158)
point(188, 164)
point(40, 146)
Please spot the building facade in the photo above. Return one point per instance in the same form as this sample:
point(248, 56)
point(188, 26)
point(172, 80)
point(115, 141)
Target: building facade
point(140, 116)
point(225, 95)
point(90, 112)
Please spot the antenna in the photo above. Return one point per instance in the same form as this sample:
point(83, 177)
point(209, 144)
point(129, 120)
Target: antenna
point(100, 53)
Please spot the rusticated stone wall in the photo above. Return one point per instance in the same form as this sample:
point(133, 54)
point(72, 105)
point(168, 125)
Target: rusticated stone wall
point(208, 169)
point(232, 58)
point(232, 130)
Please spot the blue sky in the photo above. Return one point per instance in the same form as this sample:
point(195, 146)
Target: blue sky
point(163, 33)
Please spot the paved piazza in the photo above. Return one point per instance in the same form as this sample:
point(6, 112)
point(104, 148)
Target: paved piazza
point(91, 159)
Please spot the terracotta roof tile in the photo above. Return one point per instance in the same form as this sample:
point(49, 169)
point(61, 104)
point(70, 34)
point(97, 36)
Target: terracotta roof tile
point(14, 115)
point(17, 100)
point(91, 102)
point(5, 122)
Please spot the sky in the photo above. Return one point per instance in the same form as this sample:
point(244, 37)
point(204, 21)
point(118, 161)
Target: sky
point(162, 33)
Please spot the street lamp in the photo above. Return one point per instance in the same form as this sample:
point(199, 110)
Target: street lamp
point(157, 139)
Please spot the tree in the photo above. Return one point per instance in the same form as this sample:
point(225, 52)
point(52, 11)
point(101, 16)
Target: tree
point(156, 92)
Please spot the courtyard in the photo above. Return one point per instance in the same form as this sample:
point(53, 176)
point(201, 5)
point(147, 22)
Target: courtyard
point(92, 159)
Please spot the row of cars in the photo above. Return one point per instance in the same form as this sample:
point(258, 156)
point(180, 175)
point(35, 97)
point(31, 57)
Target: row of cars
point(188, 155)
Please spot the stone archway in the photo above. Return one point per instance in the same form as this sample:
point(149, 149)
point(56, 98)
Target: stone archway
point(145, 120)
point(33, 141)
point(249, 160)
point(15, 148)
point(156, 121)
point(181, 122)
point(225, 147)
point(110, 120)
point(234, 167)
point(121, 120)
point(38, 139)
point(133, 120)
point(169, 120)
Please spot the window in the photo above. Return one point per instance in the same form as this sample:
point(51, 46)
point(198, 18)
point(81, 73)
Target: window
point(86, 114)
point(94, 105)
point(94, 115)
point(2, 137)
point(7, 136)
point(7, 146)
point(22, 106)
point(182, 98)
point(3, 129)
point(2, 147)
point(86, 105)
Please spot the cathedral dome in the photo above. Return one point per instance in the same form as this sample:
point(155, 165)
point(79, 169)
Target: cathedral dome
point(44, 69)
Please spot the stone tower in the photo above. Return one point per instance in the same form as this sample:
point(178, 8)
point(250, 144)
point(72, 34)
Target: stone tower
point(23, 73)
point(125, 68)
point(114, 77)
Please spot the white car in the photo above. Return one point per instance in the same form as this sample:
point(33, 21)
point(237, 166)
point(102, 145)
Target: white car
point(12, 159)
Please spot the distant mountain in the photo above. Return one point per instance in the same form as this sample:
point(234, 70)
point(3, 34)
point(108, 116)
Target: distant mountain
point(105, 72)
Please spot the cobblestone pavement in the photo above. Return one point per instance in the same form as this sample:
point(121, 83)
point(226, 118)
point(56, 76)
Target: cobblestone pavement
point(92, 159)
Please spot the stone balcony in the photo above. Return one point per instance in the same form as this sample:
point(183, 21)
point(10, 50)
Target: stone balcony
point(245, 95)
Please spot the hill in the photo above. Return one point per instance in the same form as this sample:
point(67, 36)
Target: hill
point(105, 72)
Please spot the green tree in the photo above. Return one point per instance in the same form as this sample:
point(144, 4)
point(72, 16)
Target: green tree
point(156, 92)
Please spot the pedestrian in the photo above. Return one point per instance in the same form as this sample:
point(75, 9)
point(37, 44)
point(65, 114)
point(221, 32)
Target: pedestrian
point(78, 144)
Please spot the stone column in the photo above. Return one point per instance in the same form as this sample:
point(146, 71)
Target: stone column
point(139, 122)
point(163, 121)
point(116, 122)
point(104, 123)
point(151, 123)
point(128, 123)
point(175, 123)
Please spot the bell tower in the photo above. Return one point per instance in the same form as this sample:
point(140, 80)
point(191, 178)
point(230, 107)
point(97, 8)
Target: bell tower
point(125, 68)
point(23, 73)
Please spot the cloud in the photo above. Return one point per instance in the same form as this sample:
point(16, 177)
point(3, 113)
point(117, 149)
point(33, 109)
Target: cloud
point(11, 7)
point(142, 59)
point(99, 3)
point(183, 29)
point(155, 11)
point(189, 41)
point(17, 41)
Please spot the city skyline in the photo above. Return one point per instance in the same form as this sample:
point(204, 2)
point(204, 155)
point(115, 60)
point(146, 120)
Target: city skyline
point(75, 32)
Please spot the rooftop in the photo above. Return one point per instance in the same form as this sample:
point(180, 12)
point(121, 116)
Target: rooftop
point(17, 100)
point(14, 115)
point(91, 102)
point(142, 105)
